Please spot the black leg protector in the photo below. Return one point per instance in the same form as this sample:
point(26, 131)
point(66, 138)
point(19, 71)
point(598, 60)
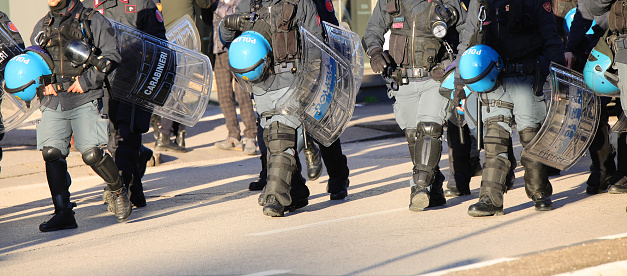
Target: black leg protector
point(511, 177)
point(537, 185)
point(103, 164)
point(281, 141)
point(622, 153)
point(602, 154)
point(427, 152)
point(56, 173)
point(410, 134)
point(495, 170)
point(459, 160)
point(334, 160)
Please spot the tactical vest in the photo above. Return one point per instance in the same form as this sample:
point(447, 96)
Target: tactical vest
point(412, 43)
point(511, 32)
point(617, 18)
point(74, 26)
point(279, 25)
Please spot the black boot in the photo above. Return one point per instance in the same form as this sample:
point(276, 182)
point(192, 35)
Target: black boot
point(116, 196)
point(537, 185)
point(180, 139)
point(312, 159)
point(337, 169)
point(261, 182)
point(618, 180)
point(427, 151)
point(436, 195)
point(299, 193)
point(338, 187)
point(63, 216)
point(164, 143)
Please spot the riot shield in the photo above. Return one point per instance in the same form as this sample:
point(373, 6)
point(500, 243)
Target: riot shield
point(13, 111)
point(348, 45)
point(183, 32)
point(570, 124)
point(324, 93)
point(621, 124)
point(170, 80)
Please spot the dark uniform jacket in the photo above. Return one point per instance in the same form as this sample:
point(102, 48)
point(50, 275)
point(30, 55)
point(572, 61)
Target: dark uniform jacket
point(91, 80)
point(535, 35)
point(8, 27)
point(144, 16)
point(577, 38)
point(306, 16)
point(379, 22)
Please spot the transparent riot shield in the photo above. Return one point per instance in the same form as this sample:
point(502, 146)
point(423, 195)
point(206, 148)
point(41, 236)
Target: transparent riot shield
point(570, 124)
point(13, 111)
point(621, 124)
point(324, 93)
point(348, 45)
point(183, 32)
point(170, 80)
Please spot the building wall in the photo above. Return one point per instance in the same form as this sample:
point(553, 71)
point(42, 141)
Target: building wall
point(25, 14)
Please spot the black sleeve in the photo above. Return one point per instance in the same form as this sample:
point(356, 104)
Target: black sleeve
point(578, 29)
point(150, 20)
point(8, 27)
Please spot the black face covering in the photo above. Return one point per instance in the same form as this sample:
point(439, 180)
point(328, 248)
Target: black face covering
point(56, 10)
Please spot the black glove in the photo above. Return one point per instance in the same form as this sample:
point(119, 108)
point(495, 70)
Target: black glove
point(237, 22)
point(459, 93)
point(380, 60)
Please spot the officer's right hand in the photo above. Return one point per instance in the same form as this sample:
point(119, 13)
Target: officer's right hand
point(49, 90)
point(569, 58)
point(379, 60)
point(237, 21)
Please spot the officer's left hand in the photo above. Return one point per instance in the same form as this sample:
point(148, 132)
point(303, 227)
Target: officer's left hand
point(75, 88)
point(461, 105)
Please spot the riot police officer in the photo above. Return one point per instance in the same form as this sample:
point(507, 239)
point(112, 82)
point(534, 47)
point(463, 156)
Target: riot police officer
point(617, 52)
point(423, 35)
point(583, 35)
point(129, 121)
point(274, 37)
point(72, 104)
point(520, 39)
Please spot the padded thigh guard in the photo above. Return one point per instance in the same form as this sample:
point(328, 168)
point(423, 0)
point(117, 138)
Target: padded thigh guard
point(103, 164)
point(280, 140)
point(496, 166)
point(427, 152)
point(536, 177)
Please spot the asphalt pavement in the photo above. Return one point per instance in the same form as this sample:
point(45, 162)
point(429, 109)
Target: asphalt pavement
point(202, 220)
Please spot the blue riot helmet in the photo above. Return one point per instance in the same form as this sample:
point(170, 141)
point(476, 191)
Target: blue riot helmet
point(479, 67)
point(249, 55)
point(28, 73)
point(596, 74)
point(568, 21)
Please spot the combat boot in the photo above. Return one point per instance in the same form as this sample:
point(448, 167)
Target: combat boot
point(312, 159)
point(436, 195)
point(299, 193)
point(180, 139)
point(63, 216)
point(537, 185)
point(337, 187)
point(493, 187)
point(121, 204)
point(164, 143)
point(619, 184)
point(272, 207)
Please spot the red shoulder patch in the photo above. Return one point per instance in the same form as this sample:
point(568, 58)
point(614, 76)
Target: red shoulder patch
point(547, 6)
point(124, 1)
point(318, 19)
point(329, 5)
point(12, 27)
point(159, 16)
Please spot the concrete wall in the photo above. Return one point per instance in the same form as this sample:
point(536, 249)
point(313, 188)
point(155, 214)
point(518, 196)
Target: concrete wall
point(25, 14)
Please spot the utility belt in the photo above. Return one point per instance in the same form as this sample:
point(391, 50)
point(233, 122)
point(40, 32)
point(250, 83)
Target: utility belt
point(406, 75)
point(621, 42)
point(284, 67)
point(520, 68)
point(62, 84)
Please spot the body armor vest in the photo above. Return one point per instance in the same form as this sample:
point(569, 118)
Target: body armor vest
point(279, 27)
point(412, 43)
point(73, 26)
point(511, 32)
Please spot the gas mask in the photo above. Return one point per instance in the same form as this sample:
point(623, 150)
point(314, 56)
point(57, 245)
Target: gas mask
point(441, 18)
point(82, 54)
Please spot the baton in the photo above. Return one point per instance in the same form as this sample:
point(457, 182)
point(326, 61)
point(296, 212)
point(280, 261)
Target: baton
point(479, 124)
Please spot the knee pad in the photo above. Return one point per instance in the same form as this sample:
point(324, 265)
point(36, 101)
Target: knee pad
point(93, 156)
point(51, 154)
point(430, 129)
point(279, 137)
point(527, 134)
point(496, 140)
